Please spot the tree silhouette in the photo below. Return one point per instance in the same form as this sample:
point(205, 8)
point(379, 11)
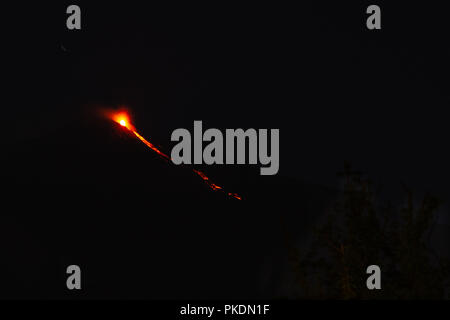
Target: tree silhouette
point(359, 232)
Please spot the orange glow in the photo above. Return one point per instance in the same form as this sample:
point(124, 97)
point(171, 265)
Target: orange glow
point(151, 146)
point(123, 119)
point(214, 186)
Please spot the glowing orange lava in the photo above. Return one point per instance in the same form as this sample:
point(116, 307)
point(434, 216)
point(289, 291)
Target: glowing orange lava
point(151, 146)
point(123, 119)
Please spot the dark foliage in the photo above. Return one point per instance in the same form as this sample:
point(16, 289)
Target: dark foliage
point(359, 232)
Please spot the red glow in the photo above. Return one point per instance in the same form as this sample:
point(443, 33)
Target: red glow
point(151, 146)
point(123, 119)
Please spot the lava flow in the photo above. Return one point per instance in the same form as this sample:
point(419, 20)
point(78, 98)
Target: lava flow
point(123, 119)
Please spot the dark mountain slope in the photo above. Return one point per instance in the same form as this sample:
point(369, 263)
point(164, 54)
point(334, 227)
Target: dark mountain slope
point(92, 194)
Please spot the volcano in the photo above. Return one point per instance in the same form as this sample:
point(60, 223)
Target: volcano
point(93, 195)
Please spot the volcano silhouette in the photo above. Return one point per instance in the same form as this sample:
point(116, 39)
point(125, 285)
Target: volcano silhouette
point(93, 195)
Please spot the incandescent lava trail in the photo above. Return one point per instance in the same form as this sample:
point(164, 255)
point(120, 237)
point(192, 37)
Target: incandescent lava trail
point(148, 144)
point(123, 120)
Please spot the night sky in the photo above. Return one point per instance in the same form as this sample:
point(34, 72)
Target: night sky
point(337, 91)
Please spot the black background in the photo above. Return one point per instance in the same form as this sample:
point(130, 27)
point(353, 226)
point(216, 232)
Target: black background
point(78, 189)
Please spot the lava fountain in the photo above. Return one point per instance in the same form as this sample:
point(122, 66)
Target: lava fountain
point(123, 119)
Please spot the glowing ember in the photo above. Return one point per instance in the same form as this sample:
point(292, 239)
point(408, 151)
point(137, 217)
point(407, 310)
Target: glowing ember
point(123, 119)
point(151, 146)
